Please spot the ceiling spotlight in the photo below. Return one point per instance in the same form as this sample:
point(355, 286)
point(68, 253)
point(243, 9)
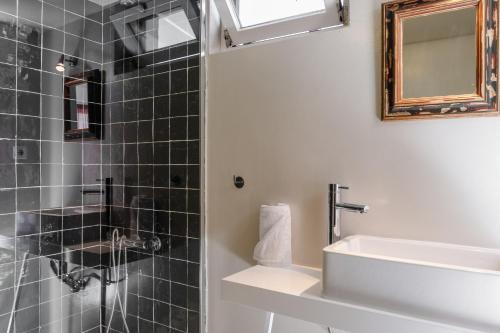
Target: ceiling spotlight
point(60, 66)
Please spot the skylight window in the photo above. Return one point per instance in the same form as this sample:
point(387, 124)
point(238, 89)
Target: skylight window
point(250, 21)
point(174, 28)
point(255, 12)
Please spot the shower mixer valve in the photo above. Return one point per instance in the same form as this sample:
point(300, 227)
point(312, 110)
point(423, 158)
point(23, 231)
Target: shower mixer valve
point(152, 244)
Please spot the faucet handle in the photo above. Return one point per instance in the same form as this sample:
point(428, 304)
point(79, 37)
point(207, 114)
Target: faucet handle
point(334, 188)
point(337, 187)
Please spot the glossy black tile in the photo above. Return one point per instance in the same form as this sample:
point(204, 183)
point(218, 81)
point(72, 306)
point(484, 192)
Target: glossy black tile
point(8, 25)
point(178, 105)
point(7, 126)
point(194, 226)
point(194, 322)
point(7, 176)
point(7, 51)
point(178, 271)
point(178, 248)
point(146, 308)
point(28, 127)
point(93, 51)
point(179, 81)
point(178, 318)
point(162, 84)
point(162, 313)
point(28, 175)
point(193, 274)
point(162, 130)
point(53, 16)
point(52, 84)
point(29, 294)
point(178, 224)
point(162, 176)
point(162, 107)
point(30, 9)
point(145, 109)
point(193, 201)
point(7, 201)
point(53, 39)
point(73, 45)
point(7, 101)
point(179, 152)
point(52, 107)
point(28, 79)
point(7, 76)
point(145, 151)
point(193, 152)
point(28, 199)
point(52, 129)
point(28, 151)
point(178, 128)
point(7, 151)
point(9, 6)
point(179, 295)
point(27, 319)
point(29, 32)
point(28, 103)
point(93, 31)
point(29, 56)
point(7, 226)
point(146, 175)
point(6, 295)
point(77, 7)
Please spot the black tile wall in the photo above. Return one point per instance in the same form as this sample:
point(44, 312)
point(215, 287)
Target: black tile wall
point(152, 155)
point(42, 219)
point(149, 148)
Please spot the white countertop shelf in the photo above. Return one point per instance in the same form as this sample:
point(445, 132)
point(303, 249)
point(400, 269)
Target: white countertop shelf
point(296, 292)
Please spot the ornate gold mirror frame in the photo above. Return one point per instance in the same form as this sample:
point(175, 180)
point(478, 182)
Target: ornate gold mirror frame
point(482, 102)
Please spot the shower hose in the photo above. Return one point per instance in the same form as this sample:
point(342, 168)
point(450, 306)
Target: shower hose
point(116, 239)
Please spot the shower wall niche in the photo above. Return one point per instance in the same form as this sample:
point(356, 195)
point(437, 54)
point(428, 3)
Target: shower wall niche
point(99, 130)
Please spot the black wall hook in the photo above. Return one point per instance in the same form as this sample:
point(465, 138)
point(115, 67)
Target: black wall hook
point(239, 182)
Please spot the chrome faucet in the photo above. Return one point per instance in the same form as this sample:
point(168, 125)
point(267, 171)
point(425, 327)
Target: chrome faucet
point(335, 205)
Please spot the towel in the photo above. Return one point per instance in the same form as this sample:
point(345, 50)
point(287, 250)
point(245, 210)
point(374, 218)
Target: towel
point(275, 245)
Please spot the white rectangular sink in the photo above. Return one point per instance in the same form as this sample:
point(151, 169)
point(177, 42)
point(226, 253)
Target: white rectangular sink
point(448, 283)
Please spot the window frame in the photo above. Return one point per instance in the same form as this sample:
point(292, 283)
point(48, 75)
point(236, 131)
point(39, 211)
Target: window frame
point(335, 15)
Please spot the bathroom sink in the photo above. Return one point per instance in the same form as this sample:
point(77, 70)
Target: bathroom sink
point(443, 282)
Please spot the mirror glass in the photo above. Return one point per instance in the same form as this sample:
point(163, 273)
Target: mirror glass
point(434, 46)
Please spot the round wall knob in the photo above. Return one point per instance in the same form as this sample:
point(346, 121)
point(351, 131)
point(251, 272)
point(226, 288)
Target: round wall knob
point(239, 182)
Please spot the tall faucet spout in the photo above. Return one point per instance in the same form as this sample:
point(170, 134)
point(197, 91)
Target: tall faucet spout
point(335, 205)
point(362, 209)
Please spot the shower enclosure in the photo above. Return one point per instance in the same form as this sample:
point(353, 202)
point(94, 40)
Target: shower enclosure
point(100, 164)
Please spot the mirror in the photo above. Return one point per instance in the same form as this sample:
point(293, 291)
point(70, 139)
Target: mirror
point(82, 109)
point(431, 44)
point(439, 58)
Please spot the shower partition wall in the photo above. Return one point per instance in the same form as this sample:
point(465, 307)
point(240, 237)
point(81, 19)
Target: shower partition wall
point(99, 131)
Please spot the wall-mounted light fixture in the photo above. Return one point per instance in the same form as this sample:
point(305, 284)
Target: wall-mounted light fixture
point(60, 66)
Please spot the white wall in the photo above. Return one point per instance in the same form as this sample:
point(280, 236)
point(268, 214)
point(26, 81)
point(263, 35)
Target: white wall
point(295, 115)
